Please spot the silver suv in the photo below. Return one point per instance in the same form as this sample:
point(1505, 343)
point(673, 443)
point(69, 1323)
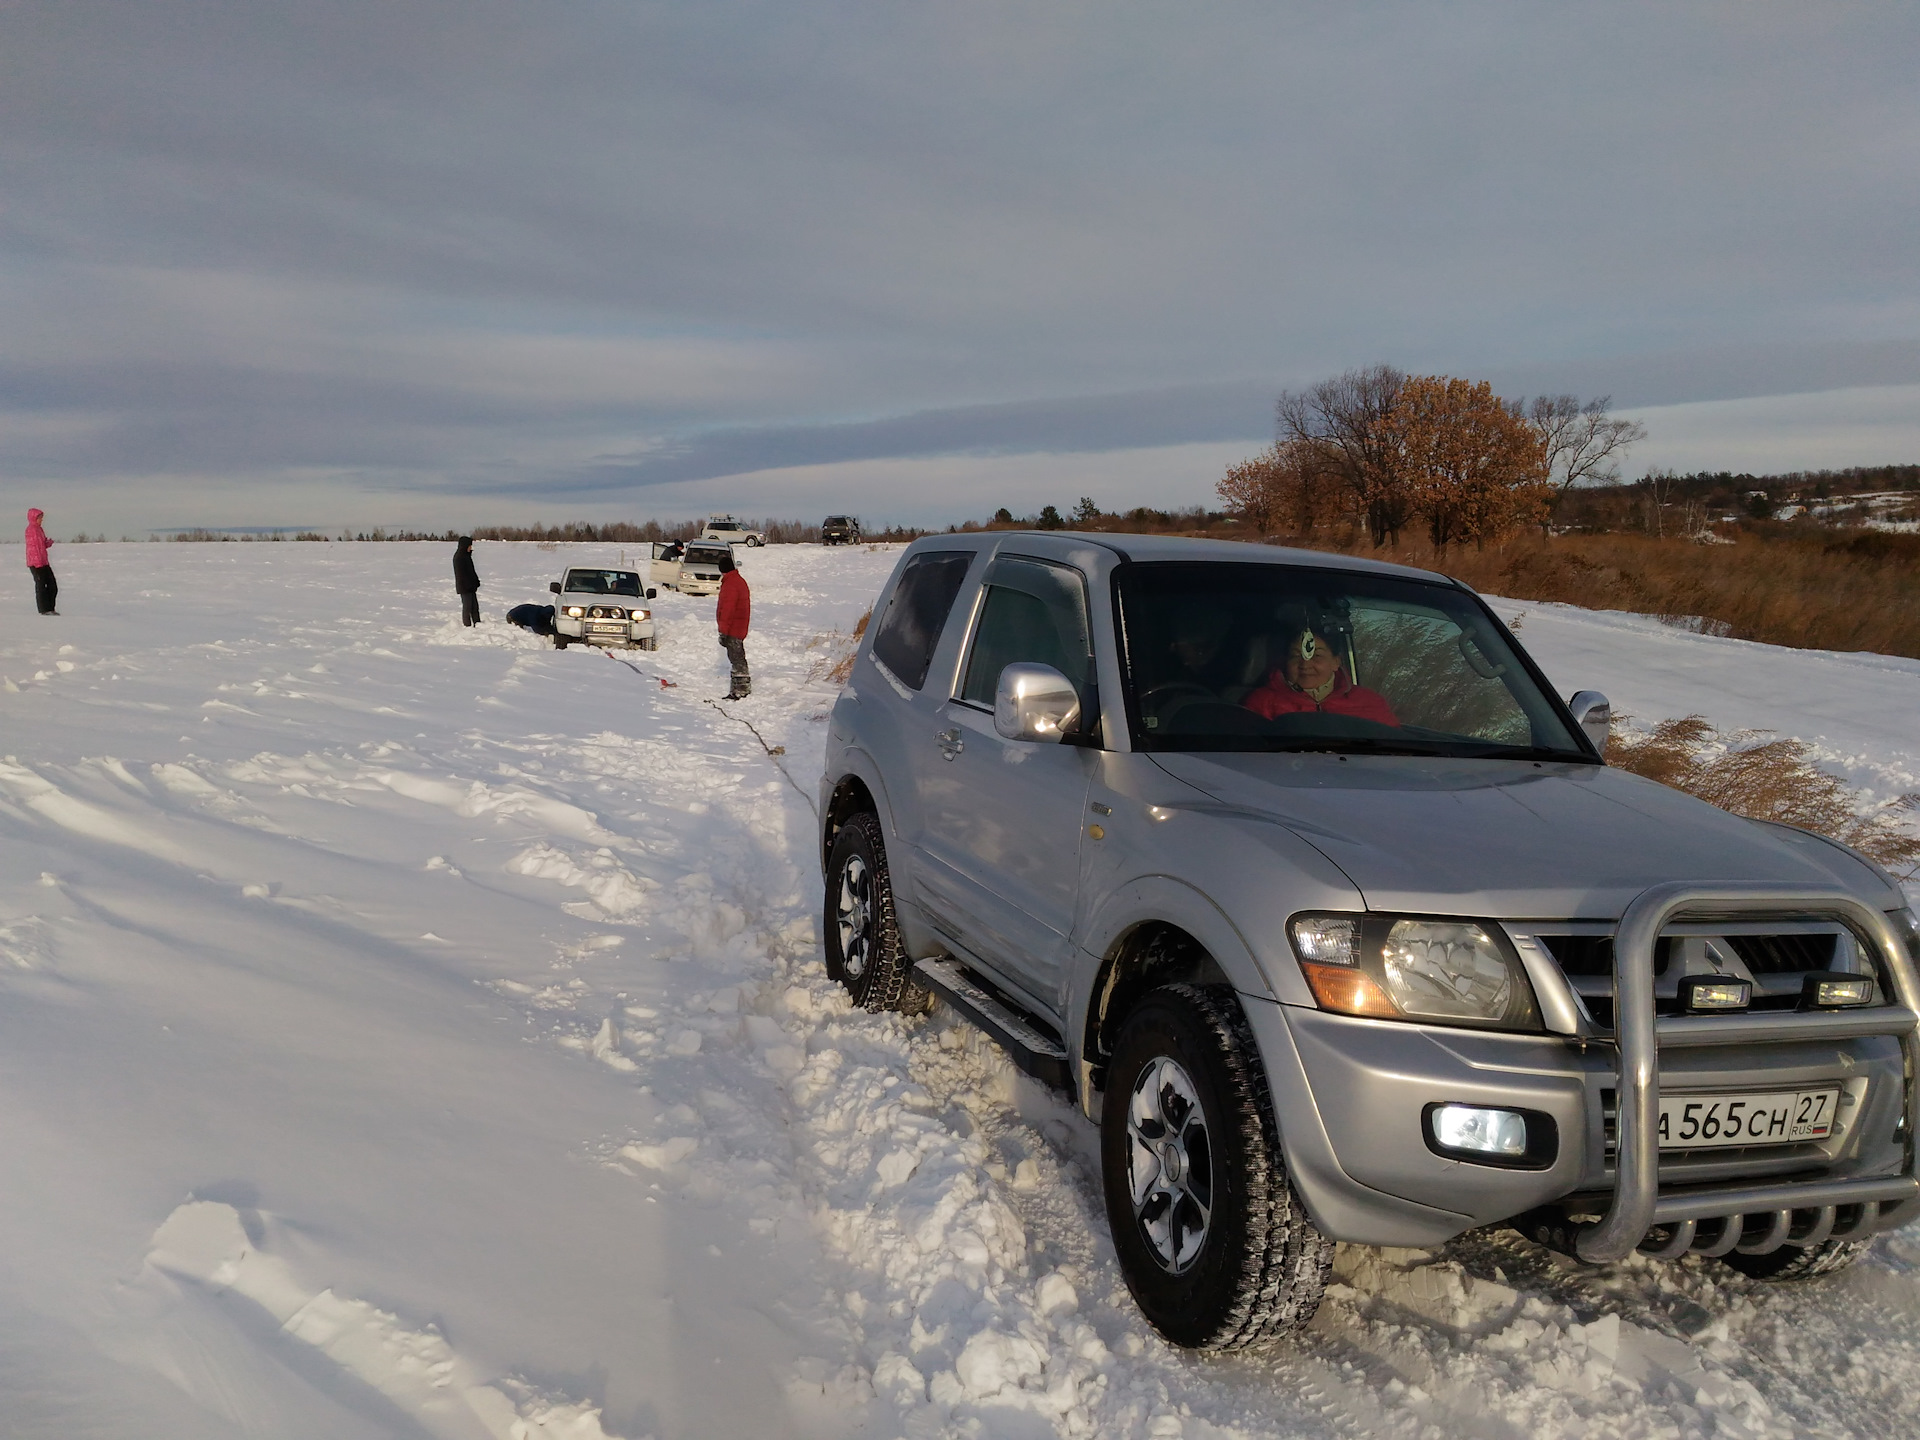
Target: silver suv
point(1294, 872)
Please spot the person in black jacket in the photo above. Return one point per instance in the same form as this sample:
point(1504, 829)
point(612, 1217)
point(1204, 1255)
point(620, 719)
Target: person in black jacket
point(466, 580)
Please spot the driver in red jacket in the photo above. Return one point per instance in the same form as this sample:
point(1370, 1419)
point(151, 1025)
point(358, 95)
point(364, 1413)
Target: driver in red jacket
point(1314, 677)
point(736, 605)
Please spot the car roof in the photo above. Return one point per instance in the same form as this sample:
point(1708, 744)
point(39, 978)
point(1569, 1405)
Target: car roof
point(1149, 548)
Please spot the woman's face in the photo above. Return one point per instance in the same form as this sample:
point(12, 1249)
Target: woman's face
point(1311, 662)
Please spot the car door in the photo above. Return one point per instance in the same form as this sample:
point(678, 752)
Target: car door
point(1002, 819)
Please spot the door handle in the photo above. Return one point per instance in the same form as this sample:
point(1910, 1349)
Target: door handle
point(949, 742)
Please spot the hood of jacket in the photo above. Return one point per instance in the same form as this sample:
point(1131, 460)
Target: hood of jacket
point(1511, 839)
point(33, 516)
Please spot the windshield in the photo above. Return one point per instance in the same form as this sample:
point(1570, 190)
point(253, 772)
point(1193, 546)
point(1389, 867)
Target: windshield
point(707, 554)
point(603, 582)
point(1231, 656)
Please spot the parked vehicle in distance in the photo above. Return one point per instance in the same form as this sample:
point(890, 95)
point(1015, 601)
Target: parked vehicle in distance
point(1295, 874)
point(840, 530)
point(732, 531)
point(596, 606)
point(692, 567)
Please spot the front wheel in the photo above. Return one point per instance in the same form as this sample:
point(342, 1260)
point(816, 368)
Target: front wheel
point(1214, 1243)
point(560, 642)
point(862, 933)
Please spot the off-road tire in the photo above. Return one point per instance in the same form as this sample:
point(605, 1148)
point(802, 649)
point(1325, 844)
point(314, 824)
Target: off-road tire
point(1798, 1262)
point(1262, 1266)
point(882, 978)
point(560, 642)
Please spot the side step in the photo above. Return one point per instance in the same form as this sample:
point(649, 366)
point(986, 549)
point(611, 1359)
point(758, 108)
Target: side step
point(1035, 1052)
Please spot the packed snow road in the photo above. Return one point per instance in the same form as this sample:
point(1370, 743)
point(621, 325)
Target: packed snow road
point(415, 1031)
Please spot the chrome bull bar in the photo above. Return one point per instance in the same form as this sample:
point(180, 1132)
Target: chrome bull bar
point(1637, 1204)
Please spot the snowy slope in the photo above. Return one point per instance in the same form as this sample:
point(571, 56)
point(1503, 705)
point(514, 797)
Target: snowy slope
point(410, 1031)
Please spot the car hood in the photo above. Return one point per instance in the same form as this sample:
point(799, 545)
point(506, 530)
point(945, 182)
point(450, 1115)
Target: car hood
point(1511, 839)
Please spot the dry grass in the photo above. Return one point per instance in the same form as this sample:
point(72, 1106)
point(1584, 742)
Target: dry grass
point(835, 663)
point(1813, 589)
point(1768, 780)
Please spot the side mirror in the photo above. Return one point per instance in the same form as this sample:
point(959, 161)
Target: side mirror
point(554, 586)
point(1593, 714)
point(1034, 702)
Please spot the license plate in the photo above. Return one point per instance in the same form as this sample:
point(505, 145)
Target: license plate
point(1776, 1117)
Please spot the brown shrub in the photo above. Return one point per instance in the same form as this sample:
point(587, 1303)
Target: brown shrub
point(1785, 585)
point(837, 663)
point(1771, 780)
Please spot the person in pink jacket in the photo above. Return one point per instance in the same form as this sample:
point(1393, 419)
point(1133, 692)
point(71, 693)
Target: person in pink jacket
point(45, 588)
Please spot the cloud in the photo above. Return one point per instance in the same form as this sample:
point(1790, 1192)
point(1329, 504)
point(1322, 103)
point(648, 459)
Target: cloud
point(600, 250)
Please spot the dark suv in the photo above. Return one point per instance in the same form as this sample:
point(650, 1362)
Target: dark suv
point(840, 530)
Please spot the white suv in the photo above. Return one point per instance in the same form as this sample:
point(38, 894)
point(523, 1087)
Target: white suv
point(734, 532)
point(602, 607)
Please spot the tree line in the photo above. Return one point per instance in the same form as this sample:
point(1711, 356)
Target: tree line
point(1380, 450)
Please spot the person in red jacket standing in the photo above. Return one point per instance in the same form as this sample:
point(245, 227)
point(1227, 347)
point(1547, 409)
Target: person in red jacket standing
point(45, 588)
point(736, 604)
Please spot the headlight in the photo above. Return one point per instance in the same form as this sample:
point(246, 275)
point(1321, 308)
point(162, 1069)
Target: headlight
point(643, 614)
point(1454, 972)
point(576, 611)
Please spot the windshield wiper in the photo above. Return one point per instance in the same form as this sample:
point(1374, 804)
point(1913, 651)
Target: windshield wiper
point(1352, 745)
point(1529, 752)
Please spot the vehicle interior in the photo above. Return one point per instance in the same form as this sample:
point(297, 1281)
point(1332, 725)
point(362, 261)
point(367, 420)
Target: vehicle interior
point(1227, 656)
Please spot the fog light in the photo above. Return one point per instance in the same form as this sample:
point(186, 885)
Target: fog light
point(1501, 1133)
point(1835, 992)
point(1714, 992)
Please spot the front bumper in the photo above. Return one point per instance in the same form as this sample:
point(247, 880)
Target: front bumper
point(1350, 1097)
point(624, 634)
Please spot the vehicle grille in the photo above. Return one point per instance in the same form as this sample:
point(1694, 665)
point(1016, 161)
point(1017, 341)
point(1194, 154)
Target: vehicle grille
point(1776, 961)
point(1783, 954)
point(1593, 954)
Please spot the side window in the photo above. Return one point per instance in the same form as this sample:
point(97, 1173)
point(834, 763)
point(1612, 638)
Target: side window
point(917, 613)
point(1033, 612)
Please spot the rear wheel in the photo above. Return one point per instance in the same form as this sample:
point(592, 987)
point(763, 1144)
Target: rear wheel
point(1214, 1243)
point(861, 931)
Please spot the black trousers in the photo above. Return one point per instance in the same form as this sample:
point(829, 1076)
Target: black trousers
point(46, 589)
point(469, 607)
point(736, 648)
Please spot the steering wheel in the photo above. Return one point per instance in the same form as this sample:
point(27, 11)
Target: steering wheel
point(1171, 696)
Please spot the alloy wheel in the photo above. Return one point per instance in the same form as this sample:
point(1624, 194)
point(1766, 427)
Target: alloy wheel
point(855, 916)
point(1170, 1164)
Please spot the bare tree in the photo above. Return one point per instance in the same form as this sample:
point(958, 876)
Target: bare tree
point(1343, 421)
point(1584, 443)
point(1656, 489)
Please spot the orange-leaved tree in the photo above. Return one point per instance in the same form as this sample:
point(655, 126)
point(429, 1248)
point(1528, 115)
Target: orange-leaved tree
point(1474, 469)
point(1294, 486)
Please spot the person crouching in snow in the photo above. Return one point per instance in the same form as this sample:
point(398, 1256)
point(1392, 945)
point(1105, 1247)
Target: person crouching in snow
point(736, 603)
point(45, 588)
point(466, 580)
point(1314, 677)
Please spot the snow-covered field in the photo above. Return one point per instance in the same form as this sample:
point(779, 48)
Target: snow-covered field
point(419, 1032)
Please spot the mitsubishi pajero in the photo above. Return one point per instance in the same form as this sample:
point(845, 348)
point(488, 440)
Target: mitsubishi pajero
point(1295, 873)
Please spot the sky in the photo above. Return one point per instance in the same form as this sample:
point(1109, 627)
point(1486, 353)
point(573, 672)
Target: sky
point(447, 264)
